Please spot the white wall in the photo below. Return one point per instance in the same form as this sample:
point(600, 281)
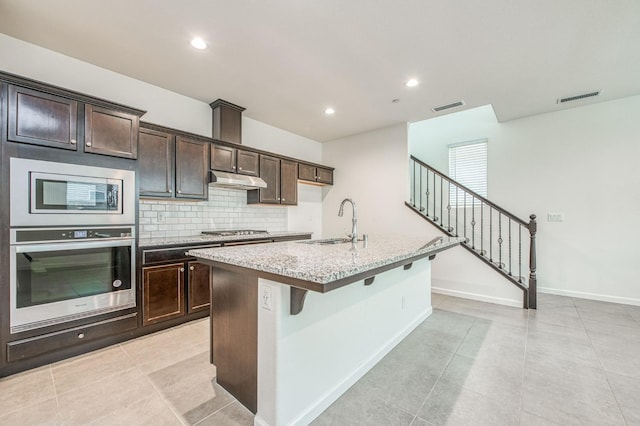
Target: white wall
point(581, 162)
point(371, 168)
point(164, 108)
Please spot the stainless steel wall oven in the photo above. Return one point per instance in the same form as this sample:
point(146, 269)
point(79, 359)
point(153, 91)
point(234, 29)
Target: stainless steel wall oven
point(72, 242)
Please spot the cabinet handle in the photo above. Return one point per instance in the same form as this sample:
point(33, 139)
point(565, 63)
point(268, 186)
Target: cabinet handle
point(233, 167)
point(88, 143)
point(284, 199)
point(73, 141)
point(239, 168)
point(81, 336)
point(179, 192)
point(191, 268)
point(181, 269)
point(169, 191)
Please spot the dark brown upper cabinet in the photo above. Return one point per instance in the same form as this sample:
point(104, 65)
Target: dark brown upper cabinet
point(313, 174)
point(192, 168)
point(110, 132)
point(156, 163)
point(232, 160)
point(227, 121)
point(40, 118)
point(281, 177)
point(248, 163)
point(223, 158)
point(288, 182)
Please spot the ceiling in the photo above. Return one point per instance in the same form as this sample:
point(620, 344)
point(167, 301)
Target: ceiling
point(287, 60)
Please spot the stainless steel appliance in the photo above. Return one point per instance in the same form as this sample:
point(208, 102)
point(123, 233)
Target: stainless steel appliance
point(46, 193)
point(63, 274)
point(72, 242)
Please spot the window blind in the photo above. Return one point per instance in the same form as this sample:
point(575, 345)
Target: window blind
point(468, 166)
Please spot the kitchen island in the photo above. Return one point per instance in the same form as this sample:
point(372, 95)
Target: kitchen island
point(295, 324)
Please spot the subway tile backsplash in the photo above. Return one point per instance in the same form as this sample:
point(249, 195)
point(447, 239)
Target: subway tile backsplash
point(225, 209)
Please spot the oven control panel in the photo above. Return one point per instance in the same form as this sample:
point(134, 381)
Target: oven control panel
point(72, 234)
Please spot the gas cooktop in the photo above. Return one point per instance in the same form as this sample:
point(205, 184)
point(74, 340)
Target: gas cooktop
point(233, 232)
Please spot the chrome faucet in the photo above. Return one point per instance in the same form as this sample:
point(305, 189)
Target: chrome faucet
point(354, 220)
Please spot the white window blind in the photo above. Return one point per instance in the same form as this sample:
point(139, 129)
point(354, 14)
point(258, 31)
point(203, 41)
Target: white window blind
point(468, 166)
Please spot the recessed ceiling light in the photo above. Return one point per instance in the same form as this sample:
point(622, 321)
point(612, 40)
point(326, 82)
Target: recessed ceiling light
point(329, 111)
point(412, 82)
point(198, 43)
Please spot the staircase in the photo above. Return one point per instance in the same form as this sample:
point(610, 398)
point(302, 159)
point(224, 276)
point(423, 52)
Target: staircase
point(495, 236)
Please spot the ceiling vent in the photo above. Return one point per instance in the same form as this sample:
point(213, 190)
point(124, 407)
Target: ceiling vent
point(578, 97)
point(449, 106)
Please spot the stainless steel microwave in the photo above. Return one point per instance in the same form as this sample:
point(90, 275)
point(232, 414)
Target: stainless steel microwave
point(46, 193)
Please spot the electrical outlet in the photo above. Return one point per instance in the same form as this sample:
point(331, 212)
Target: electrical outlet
point(162, 216)
point(265, 299)
point(555, 217)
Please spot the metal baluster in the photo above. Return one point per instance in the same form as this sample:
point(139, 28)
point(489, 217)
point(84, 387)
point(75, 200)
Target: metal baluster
point(421, 208)
point(457, 211)
point(490, 233)
point(510, 246)
point(435, 218)
point(482, 227)
point(519, 253)
point(473, 222)
point(500, 240)
point(464, 216)
point(413, 186)
point(441, 224)
point(427, 194)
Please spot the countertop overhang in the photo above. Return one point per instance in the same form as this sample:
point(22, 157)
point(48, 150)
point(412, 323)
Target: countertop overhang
point(322, 267)
point(201, 239)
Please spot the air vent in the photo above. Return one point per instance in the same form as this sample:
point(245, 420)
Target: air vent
point(578, 97)
point(449, 106)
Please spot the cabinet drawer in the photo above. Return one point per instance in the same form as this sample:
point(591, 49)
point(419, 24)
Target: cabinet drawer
point(34, 346)
point(170, 255)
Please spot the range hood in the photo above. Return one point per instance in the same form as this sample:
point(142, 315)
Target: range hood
point(235, 181)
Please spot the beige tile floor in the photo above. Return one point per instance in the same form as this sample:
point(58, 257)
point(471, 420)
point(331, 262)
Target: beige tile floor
point(572, 361)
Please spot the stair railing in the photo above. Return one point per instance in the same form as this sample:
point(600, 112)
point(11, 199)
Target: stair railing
point(491, 233)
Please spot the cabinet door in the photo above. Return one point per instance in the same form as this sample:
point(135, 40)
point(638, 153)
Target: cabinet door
point(42, 119)
point(110, 132)
point(223, 158)
point(191, 168)
point(199, 295)
point(270, 173)
point(324, 175)
point(162, 293)
point(155, 163)
point(288, 182)
point(307, 172)
point(248, 163)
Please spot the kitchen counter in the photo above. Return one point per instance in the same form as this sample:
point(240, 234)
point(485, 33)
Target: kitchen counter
point(324, 267)
point(295, 324)
point(201, 239)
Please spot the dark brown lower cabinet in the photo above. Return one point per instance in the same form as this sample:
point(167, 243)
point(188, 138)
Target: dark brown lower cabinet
point(162, 292)
point(199, 293)
point(164, 295)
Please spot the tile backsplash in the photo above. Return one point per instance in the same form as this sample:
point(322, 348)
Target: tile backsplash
point(225, 209)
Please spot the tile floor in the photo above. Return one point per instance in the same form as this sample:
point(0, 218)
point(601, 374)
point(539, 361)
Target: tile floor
point(572, 361)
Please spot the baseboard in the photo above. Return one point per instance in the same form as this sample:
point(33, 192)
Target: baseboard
point(314, 410)
point(478, 297)
point(590, 296)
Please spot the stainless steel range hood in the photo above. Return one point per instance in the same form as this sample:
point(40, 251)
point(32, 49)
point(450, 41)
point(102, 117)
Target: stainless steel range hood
point(235, 181)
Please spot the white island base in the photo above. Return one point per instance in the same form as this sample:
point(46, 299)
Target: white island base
point(306, 361)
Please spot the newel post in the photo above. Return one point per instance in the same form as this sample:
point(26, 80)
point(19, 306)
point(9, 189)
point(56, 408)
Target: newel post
point(533, 281)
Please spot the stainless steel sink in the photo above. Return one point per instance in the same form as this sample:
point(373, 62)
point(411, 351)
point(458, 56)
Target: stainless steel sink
point(328, 241)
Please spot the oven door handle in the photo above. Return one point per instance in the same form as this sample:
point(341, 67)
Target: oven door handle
point(73, 245)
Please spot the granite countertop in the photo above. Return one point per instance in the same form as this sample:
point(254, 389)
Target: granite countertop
point(200, 239)
point(324, 264)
